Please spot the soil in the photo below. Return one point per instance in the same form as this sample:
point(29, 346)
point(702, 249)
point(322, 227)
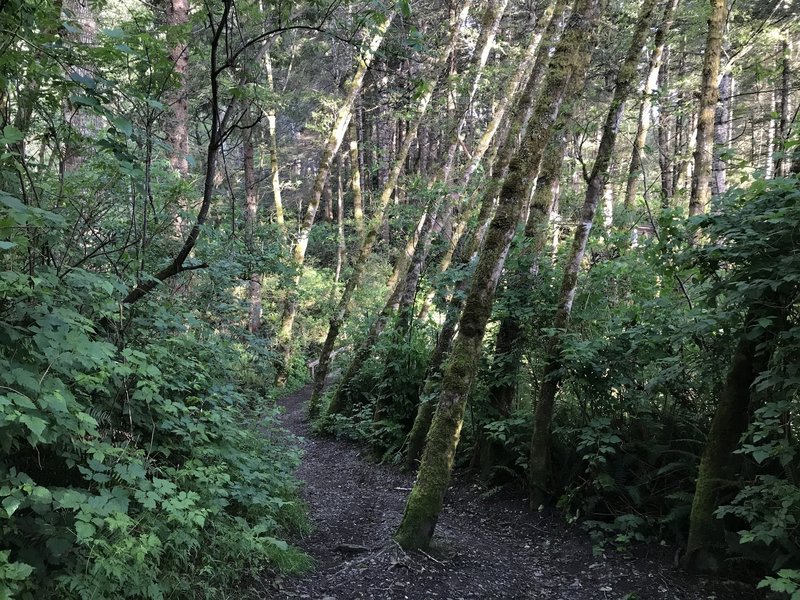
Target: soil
point(486, 545)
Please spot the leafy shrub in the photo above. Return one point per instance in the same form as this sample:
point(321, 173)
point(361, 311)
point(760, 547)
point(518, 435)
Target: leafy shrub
point(131, 465)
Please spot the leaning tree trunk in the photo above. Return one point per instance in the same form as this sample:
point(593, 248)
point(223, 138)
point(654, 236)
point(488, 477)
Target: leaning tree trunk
point(426, 497)
point(510, 334)
point(340, 399)
point(709, 94)
point(547, 28)
point(650, 84)
point(343, 308)
point(543, 416)
point(329, 151)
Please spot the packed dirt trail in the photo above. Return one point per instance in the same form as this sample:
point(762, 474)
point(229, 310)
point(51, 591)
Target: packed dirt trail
point(486, 546)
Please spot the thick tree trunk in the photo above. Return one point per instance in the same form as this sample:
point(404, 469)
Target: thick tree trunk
point(709, 94)
point(626, 79)
point(425, 500)
point(329, 151)
point(705, 546)
point(650, 85)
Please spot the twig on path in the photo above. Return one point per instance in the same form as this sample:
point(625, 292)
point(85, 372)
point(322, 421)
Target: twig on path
point(433, 559)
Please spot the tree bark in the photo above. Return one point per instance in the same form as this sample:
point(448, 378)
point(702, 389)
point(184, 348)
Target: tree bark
point(547, 27)
point(425, 500)
point(275, 176)
point(705, 546)
point(722, 119)
point(709, 94)
point(331, 147)
point(783, 162)
point(355, 179)
point(543, 415)
point(251, 219)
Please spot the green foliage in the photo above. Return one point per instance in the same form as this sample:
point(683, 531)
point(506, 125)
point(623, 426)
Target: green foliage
point(133, 466)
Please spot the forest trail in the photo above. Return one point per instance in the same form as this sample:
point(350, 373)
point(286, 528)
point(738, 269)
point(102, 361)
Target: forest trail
point(484, 547)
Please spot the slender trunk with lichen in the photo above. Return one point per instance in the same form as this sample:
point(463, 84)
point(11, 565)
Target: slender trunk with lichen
point(543, 415)
point(275, 176)
point(251, 220)
point(709, 94)
point(355, 179)
point(650, 86)
point(341, 251)
point(426, 497)
point(332, 144)
point(665, 163)
point(722, 117)
point(783, 162)
point(370, 237)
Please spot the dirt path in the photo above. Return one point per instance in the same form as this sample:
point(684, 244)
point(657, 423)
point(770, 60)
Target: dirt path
point(485, 548)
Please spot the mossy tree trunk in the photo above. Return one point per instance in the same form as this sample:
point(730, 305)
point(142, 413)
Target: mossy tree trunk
point(543, 415)
point(332, 144)
point(709, 94)
point(510, 334)
point(706, 545)
point(547, 28)
point(426, 497)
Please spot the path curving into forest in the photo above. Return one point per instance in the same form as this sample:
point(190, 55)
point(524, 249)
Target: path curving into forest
point(485, 547)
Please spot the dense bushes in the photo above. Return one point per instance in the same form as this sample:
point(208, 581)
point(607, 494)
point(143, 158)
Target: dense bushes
point(135, 460)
